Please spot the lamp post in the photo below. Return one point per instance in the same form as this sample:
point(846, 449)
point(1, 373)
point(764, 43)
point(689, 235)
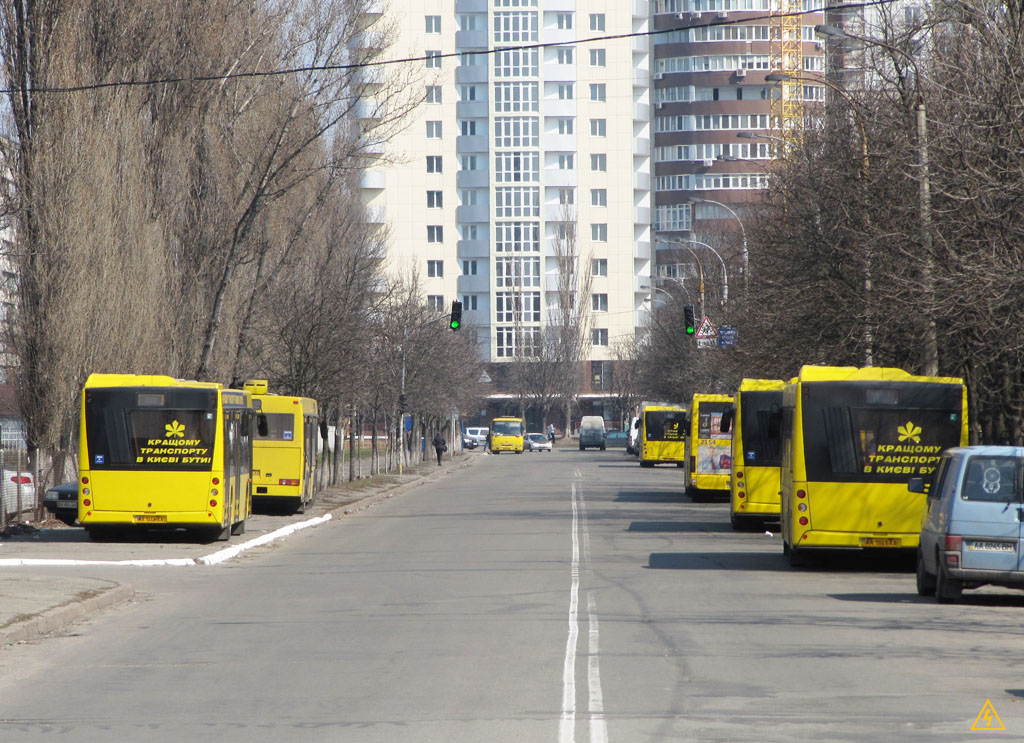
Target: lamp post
point(700, 268)
point(745, 256)
point(931, 343)
point(865, 167)
point(725, 273)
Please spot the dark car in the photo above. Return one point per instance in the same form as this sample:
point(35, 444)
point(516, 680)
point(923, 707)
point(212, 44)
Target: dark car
point(62, 501)
point(617, 440)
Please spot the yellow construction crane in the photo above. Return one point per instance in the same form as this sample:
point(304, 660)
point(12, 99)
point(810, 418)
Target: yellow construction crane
point(786, 58)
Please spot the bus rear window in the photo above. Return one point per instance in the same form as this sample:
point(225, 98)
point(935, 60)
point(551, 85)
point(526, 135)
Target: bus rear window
point(665, 425)
point(275, 427)
point(507, 428)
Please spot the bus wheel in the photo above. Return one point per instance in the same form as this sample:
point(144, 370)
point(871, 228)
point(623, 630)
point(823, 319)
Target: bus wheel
point(103, 533)
point(925, 580)
point(947, 590)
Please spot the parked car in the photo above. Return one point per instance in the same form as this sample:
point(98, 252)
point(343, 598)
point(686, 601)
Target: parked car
point(478, 434)
point(62, 501)
point(537, 442)
point(10, 491)
point(971, 532)
point(468, 443)
point(633, 440)
point(617, 440)
point(592, 433)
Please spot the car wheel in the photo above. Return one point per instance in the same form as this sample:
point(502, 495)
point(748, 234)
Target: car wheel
point(947, 590)
point(925, 580)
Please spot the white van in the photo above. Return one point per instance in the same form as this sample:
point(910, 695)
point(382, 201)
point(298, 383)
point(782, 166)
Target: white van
point(592, 433)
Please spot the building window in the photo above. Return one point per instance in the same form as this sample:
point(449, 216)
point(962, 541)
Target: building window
point(433, 94)
point(434, 163)
point(566, 161)
point(467, 22)
point(598, 197)
point(598, 92)
point(468, 127)
point(597, 21)
point(517, 237)
point(517, 306)
point(598, 127)
point(599, 232)
point(468, 162)
point(516, 63)
point(434, 24)
point(517, 201)
point(516, 26)
point(516, 131)
point(599, 267)
point(468, 196)
point(673, 217)
point(468, 232)
point(469, 302)
point(565, 126)
point(522, 342)
point(601, 375)
point(599, 163)
point(567, 196)
point(565, 91)
point(522, 97)
point(564, 55)
point(435, 200)
point(599, 302)
point(435, 302)
point(517, 167)
point(469, 268)
point(467, 92)
point(597, 58)
point(433, 59)
point(435, 269)
point(512, 272)
point(599, 337)
point(563, 21)
point(433, 130)
point(435, 234)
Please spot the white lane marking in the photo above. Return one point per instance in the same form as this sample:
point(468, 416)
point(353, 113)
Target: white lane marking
point(598, 725)
point(212, 559)
point(567, 725)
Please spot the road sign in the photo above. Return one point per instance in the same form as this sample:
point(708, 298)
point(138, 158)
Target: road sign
point(706, 329)
point(727, 336)
point(707, 343)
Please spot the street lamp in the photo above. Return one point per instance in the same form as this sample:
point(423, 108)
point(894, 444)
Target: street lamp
point(931, 341)
point(725, 274)
point(743, 232)
point(700, 268)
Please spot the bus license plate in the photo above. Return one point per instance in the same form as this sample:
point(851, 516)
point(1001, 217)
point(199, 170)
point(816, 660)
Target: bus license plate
point(880, 542)
point(991, 546)
point(150, 519)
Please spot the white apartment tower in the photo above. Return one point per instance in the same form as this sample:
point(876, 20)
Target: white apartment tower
point(533, 125)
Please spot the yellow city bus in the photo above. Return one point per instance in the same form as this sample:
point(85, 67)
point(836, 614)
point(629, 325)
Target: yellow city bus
point(756, 424)
point(506, 434)
point(155, 451)
point(851, 439)
point(709, 463)
point(662, 435)
point(284, 449)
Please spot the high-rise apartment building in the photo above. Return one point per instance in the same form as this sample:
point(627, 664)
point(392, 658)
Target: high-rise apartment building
point(531, 147)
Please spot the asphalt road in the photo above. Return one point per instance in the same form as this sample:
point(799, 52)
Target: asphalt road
point(564, 598)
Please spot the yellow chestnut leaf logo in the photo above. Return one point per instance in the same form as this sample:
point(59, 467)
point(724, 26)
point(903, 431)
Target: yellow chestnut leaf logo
point(175, 429)
point(910, 432)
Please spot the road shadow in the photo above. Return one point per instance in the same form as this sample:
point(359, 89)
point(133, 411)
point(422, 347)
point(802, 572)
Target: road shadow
point(679, 526)
point(753, 561)
point(911, 597)
point(651, 496)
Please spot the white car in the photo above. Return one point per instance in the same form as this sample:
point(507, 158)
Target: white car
point(537, 442)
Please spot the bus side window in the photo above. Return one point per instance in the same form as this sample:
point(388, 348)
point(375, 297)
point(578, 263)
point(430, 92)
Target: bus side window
point(262, 428)
point(725, 425)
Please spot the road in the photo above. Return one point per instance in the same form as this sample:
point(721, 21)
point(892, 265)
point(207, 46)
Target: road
point(571, 597)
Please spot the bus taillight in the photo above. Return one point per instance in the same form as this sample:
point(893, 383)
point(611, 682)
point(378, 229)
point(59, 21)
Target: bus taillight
point(804, 521)
point(213, 502)
point(85, 480)
point(801, 494)
point(741, 494)
point(283, 481)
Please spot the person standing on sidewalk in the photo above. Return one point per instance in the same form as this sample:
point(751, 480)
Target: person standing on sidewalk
point(439, 446)
point(551, 433)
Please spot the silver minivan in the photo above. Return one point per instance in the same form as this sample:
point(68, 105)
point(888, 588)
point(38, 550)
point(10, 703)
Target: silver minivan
point(972, 531)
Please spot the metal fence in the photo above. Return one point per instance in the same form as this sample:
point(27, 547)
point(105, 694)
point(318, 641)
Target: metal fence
point(19, 486)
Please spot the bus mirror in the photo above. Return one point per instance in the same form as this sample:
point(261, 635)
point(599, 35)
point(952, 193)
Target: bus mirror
point(261, 425)
point(323, 430)
point(725, 425)
point(915, 485)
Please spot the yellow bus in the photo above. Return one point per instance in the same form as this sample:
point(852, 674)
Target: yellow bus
point(155, 451)
point(506, 434)
point(662, 435)
point(284, 449)
point(851, 439)
point(709, 463)
point(756, 425)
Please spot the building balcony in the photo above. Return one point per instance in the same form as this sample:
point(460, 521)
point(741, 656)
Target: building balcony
point(641, 181)
point(473, 248)
point(373, 8)
point(369, 76)
point(558, 35)
point(641, 146)
point(470, 40)
point(641, 112)
point(641, 215)
point(642, 285)
point(560, 142)
point(471, 6)
point(473, 74)
point(557, 212)
point(641, 77)
point(473, 178)
point(475, 143)
point(551, 282)
point(642, 250)
point(641, 45)
point(473, 213)
point(367, 109)
point(471, 109)
point(376, 215)
point(641, 9)
point(560, 108)
point(559, 6)
point(374, 180)
point(556, 177)
point(478, 284)
point(559, 73)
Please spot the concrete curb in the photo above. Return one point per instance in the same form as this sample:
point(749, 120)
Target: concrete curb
point(55, 619)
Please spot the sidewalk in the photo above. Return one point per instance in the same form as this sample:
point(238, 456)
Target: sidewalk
point(36, 601)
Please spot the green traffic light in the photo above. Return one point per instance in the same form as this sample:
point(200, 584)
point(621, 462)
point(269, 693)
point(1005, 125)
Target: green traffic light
point(454, 325)
point(690, 330)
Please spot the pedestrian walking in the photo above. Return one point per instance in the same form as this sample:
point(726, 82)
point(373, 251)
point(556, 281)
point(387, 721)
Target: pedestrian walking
point(551, 433)
point(440, 446)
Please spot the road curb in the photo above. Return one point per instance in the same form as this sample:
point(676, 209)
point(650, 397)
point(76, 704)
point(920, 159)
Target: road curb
point(53, 620)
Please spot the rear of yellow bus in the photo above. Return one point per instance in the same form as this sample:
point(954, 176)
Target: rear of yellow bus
point(709, 462)
point(756, 453)
point(662, 435)
point(507, 435)
point(283, 471)
point(150, 454)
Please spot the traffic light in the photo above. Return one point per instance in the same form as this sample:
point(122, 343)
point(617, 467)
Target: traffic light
point(456, 319)
point(690, 319)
